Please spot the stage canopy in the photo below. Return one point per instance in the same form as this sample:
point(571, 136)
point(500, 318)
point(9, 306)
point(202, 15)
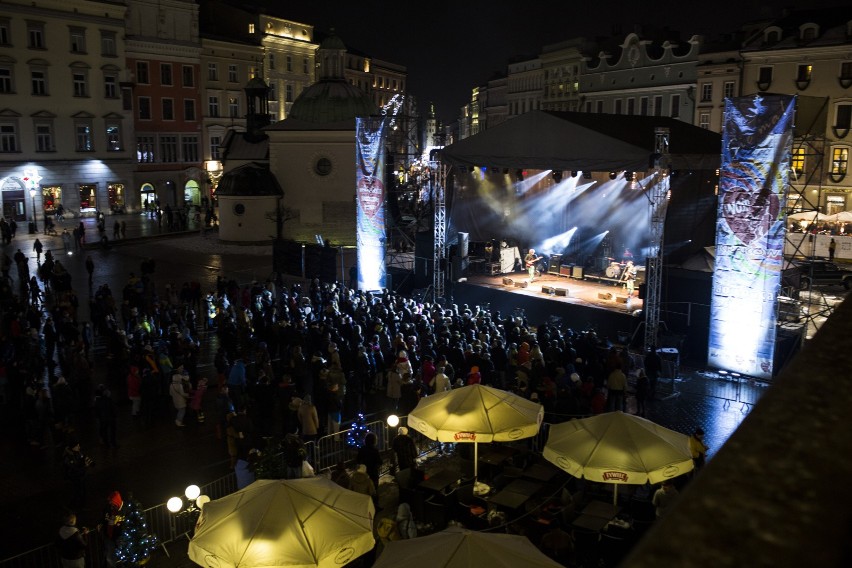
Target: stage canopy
point(574, 141)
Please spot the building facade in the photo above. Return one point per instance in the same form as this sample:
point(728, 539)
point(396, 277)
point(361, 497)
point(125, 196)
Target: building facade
point(65, 132)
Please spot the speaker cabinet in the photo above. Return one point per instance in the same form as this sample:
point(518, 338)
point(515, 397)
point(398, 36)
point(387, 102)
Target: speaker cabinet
point(604, 295)
point(508, 281)
point(577, 272)
point(565, 270)
point(621, 299)
point(562, 292)
point(548, 290)
point(522, 284)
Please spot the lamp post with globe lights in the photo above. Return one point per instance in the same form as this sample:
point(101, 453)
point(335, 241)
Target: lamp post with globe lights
point(35, 223)
point(186, 512)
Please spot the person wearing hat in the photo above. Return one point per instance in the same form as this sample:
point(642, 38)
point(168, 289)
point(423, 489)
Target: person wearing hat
point(404, 449)
point(360, 482)
point(474, 378)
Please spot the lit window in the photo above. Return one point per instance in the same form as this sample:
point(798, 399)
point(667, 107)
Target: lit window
point(251, 28)
point(113, 136)
point(233, 107)
point(839, 161)
point(797, 161)
point(704, 120)
point(145, 149)
point(804, 73)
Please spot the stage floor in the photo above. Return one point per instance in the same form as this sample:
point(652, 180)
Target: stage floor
point(580, 292)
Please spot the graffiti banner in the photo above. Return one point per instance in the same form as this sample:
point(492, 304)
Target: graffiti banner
point(370, 199)
point(756, 144)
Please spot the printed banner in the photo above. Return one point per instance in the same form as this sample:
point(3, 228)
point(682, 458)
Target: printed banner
point(371, 232)
point(750, 232)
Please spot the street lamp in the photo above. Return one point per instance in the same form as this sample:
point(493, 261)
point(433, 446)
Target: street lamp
point(186, 512)
point(35, 223)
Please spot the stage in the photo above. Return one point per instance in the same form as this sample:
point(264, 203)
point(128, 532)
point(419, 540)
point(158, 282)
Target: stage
point(580, 304)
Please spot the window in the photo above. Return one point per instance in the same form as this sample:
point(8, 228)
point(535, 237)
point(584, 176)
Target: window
point(289, 63)
point(145, 108)
point(126, 98)
point(39, 82)
point(215, 152)
point(168, 149)
point(213, 107)
point(83, 136)
point(6, 80)
point(212, 72)
point(305, 65)
point(631, 106)
point(839, 161)
point(145, 149)
point(658, 105)
point(142, 73)
point(115, 195)
point(113, 138)
point(44, 136)
point(804, 73)
point(88, 196)
point(704, 120)
point(273, 91)
point(188, 76)
point(251, 28)
point(797, 161)
point(846, 70)
point(5, 34)
point(706, 92)
point(643, 106)
point(108, 44)
point(166, 74)
point(675, 112)
point(599, 107)
point(35, 35)
point(232, 73)
point(729, 89)
point(271, 61)
point(288, 93)
point(233, 107)
point(168, 109)
point(764, 76)
point(51, 196)
point(189, 147)
point(8, 137)
point(80, 83)
point(843, 117)
point(78, 40)
point(617, 108)
point(189, 109)
point(110, 87)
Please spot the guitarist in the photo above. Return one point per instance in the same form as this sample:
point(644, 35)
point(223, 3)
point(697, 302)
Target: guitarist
point(529, 261)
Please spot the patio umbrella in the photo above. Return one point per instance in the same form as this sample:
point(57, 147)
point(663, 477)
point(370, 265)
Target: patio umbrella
point(841, 217)
point(476, 413)
point(807, 216)
point(459, 548)
point(276, 523)
point(618, 448)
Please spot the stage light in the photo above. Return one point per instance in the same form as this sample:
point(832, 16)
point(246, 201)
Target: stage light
point(557, 175)
point(613, 175)
point(575, 173)
point(520, 175)
point(630, 176)
point(587, 175)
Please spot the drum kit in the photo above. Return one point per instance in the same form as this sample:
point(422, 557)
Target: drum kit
point(618, 270)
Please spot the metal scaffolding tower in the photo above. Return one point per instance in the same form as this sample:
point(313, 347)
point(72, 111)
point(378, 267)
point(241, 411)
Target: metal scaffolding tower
point(658, 197)
point(437, 181)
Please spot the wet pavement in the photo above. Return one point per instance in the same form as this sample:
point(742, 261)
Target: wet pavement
point(155, 460)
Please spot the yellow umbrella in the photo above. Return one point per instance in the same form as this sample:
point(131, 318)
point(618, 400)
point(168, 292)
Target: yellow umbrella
point(298, 523)
point(476, 413)
point(618, 448)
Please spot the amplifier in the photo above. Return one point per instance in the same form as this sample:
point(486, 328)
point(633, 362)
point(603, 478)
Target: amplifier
point(508, 281)
point(522, 284)
point(605, 295)
point(562, 292)
point(565, 270)
point(577, 272)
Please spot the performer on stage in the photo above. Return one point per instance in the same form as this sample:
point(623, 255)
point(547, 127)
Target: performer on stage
point(629, 277)
point(529, 261)
point(626, 255)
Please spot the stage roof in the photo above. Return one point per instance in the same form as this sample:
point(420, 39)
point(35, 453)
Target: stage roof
point(571, 141)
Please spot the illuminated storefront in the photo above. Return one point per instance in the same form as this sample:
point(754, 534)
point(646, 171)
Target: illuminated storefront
point(115, 195)
point(88, 197)
point(51, 198)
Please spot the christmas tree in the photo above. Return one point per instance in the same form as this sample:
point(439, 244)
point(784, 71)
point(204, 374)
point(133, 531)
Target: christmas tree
point(355, 436)
point(134, 544)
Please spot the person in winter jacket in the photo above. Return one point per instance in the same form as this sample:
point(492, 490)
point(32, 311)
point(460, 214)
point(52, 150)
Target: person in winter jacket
point(179, 395)
point(196, 402)
point(71, 543)
point(134, 390)
point(360, 482)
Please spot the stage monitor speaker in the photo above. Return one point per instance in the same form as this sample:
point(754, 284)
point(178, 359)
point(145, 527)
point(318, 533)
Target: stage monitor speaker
point(464, 244)
point(577, 272)
point(548, 290)
point(508, 281)
point(605, 295)
point(522, 284)
point(621, 299)
point(562, 292)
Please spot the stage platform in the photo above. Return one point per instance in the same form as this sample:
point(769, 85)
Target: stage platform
point(581, 304)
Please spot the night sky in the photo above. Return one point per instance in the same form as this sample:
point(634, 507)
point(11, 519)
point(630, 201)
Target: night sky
point(451, 47)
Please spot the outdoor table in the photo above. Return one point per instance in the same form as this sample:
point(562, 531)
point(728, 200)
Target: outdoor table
point(590, 523)
point(524, 487)
point(509, 499)
point(540, 472)
point(440, 480)
point(601, 509)
point(497, 455)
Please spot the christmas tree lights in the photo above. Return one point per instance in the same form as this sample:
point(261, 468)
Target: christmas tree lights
point(134, 544)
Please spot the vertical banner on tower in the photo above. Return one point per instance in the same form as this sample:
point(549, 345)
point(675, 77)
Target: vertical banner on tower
point(756, 145)
point(370, 199)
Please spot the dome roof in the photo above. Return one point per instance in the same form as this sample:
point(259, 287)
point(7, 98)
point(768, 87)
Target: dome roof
point(332, 42)
point(252, 179)
point(332, 100)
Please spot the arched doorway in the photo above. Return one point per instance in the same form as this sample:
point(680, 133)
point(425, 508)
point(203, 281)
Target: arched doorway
point(14, 199)
point(192, 194)
point(148, 198)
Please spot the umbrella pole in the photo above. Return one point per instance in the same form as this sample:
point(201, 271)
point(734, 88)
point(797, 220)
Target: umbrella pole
point(615, 494)
point(475, 462)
